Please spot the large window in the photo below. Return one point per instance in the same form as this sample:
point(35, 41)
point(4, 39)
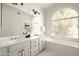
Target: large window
point(65, 23)
point(37, 25)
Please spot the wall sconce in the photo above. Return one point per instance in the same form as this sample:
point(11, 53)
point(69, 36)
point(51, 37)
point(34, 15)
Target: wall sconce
point(35, 12)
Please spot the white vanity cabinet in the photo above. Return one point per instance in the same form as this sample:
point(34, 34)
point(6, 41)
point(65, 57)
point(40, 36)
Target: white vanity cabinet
point(3, 51)
point(21, 49)
point(28, 47)
point(34, 47)
point(15, 53)
point(41, 44)
point(20, 52)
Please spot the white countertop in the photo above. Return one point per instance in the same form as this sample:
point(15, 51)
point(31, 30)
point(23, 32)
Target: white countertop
point(5, 41)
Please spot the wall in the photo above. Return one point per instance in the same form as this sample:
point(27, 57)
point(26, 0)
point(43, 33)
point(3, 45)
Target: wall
point(13, 21)
point(48, 14)
point(39, 18)
point(38, 22)
point(0, 18)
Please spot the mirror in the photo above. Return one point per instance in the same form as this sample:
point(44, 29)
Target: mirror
point(13, 21)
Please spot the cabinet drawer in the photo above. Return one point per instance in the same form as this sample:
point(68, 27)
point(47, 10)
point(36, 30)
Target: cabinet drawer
point(15, 53)
point(4, 51)
point(19, 46)
point(40, 45)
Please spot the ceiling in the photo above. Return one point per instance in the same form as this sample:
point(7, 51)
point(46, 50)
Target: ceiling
point(43, 6)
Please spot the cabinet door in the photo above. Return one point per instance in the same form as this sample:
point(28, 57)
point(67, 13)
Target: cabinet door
point(20, 49)
point(3, 51)
point(41, 43)
point(19, 46)
point(26, 52)
point(15, 53)
point(21, 52)
point(34, 47)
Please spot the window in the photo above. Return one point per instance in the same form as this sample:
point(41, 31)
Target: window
point(37, 23)
point(65, 23)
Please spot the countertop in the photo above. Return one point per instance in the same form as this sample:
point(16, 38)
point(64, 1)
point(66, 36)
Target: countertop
point(5, 41)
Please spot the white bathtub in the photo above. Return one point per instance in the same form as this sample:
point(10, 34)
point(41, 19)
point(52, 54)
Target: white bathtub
point(67, 42)
point(57, 49)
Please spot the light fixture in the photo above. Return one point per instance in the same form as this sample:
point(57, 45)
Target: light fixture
point(35, 12)
point(21, 3)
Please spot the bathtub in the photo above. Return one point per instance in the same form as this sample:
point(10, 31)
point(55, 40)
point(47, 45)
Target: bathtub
point(67, 42)
point(62, 47)
point(57, 49)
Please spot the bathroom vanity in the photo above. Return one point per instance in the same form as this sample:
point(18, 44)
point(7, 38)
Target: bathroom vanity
point(14, 18)
point(22, 47)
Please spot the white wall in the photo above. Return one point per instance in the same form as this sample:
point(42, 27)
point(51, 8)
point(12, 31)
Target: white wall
point(38, 22)
point(13, 24)
point(48, 14)
point(40, 18)
point(0, 19)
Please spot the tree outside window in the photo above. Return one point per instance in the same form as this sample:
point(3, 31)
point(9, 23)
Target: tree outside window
point(65, 23)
